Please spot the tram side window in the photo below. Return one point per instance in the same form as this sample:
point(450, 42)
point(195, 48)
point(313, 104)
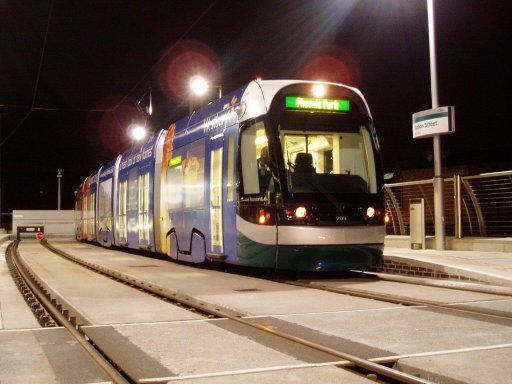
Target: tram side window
point(144, 219)
point(105, 205)
point(185, 177)
point(255, 167)
point(174, 182)
point(123, 191)
point(90, 213)
point(193, 175)
point(231, 168)
point(105, 197)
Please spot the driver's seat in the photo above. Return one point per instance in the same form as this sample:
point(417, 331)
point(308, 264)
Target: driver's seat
point(304, 163)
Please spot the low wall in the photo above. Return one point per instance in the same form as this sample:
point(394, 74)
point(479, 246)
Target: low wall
point(56, 223)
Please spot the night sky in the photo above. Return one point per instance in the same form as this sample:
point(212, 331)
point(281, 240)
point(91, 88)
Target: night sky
point(75, 74)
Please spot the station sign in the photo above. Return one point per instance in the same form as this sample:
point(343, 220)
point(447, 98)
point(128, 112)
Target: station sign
point(436, 121)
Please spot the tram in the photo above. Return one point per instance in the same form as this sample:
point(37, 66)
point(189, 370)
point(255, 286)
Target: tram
point(282, 174)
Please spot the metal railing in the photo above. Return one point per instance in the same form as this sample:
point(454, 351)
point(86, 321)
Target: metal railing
point(474, 205)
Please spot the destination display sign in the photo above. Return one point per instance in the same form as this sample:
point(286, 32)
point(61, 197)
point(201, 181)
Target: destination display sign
point(309, 103)
point(437, 121)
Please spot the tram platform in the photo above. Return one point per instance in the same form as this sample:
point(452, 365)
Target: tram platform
point(480, 260)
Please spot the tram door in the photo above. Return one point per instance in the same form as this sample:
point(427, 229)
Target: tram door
point(229, 193)
point(217, 245)
point(222, 197)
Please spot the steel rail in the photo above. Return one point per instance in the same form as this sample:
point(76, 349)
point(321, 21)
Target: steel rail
point(396, 299)
point(42, 315)
point(442, 283)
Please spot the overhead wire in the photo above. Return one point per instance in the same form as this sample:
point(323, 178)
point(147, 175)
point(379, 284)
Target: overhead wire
point(150, 70)
point(33, 107)
point(41, 60)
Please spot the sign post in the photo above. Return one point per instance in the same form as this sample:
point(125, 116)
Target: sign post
point(434, 123)
point(438, 179)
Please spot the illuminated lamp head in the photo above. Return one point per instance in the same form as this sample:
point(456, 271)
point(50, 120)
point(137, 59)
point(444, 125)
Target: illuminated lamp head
point(318, 90)
point(198, 85)
point(137, 132)
point(180, 62)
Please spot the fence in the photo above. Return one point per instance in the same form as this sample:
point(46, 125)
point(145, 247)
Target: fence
point(473, 205)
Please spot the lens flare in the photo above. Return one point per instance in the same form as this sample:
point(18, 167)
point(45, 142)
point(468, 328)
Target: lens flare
point(180, 62)
point(107, 127)
point(331, 63)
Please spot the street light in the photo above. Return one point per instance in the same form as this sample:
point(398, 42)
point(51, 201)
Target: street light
point(199, 86)
point(138, 132)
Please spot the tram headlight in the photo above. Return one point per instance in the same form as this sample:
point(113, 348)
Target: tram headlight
point(373, 215)
point(299, 215)
point(300, 212)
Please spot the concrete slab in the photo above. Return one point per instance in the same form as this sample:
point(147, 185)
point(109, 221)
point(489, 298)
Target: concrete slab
point(219, 350)
point(252, 296)
point(410, 330)
point(497, 304)
point(278, 301)
point(420, 292)
point(470, 367)
point(43, 356)
point(308, 375)
point(86, 290)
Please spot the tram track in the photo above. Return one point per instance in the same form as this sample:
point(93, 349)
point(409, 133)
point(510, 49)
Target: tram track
point(24, 283)
point(441, 283)
point(407, 300)
point(369, 367)
point(60, 315)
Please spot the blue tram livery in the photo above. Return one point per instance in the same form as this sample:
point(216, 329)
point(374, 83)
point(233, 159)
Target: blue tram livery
point(278, 174)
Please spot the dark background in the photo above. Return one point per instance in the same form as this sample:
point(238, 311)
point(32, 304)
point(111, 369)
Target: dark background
point(75, 74)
